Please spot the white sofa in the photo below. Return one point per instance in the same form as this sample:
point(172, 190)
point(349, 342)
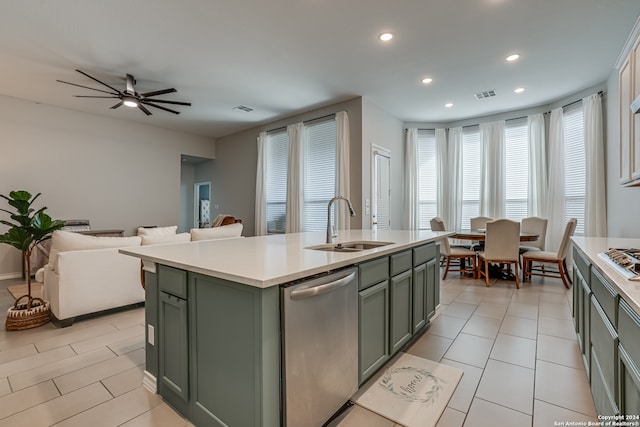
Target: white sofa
point(87, 274)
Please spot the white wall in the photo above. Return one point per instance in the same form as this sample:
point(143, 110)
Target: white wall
point(116, 173)
point(623, 203)
point(383, 130)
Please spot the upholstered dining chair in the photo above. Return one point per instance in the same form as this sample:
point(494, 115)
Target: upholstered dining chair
point(449, 252)
point(501, 246)
point(479, 222)
point(546, 257)
point(534, 225)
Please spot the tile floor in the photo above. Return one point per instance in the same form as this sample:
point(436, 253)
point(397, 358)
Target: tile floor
point(517, 349)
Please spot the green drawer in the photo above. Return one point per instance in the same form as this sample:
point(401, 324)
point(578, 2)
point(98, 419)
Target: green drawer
point(629, 331)
point(402, 261)
point(424, 253)
point(372, 272)
point(172, 281)
point(606, 296)
point(581, 262)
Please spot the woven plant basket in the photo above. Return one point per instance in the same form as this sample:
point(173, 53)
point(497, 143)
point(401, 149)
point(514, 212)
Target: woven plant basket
point(31, 314)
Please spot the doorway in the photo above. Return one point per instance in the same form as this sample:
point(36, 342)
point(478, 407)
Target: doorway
point(380, 188)
point(201, 204)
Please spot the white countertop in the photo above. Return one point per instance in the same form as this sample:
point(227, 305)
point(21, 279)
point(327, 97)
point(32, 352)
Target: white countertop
point(266, 261)
point(592, 246)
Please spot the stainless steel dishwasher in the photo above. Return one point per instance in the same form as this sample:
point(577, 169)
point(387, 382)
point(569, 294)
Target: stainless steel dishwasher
point(320, 347)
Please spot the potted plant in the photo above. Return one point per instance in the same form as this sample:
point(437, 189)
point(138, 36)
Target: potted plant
point(29, 228)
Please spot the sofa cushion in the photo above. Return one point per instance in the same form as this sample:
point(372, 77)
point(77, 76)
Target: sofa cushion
point(161, 239)
point(62, 241)
point(223, 232)
point(158, 231)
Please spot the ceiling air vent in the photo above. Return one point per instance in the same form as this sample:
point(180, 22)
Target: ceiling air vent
point(485, 94)
point(243, 108)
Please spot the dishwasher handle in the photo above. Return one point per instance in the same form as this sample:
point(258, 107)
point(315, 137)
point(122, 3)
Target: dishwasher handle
point(323, 288)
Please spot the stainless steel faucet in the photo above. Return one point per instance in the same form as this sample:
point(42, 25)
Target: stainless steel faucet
point(330, 233)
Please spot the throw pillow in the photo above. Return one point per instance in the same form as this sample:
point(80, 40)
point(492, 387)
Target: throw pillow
point(223, 232)
point(158, 240)
point(158, 231)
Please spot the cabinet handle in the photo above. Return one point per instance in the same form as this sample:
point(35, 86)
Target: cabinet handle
point(323, 288)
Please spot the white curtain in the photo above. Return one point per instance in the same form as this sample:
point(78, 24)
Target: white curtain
point(342, 172)
point(261, 187)
point(454, 219)
point(537, 190)
point(555, 193)
point(492, 185)
point(411, 220)
point(442, 174)
point(595, 214)
point(295, 178)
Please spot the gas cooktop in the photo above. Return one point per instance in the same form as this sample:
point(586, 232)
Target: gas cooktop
point(625, 261)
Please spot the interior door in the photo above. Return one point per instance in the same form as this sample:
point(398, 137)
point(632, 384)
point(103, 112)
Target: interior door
point(381, 190)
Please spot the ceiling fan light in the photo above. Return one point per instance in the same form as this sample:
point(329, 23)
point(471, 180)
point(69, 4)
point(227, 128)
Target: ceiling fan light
point(129, 101)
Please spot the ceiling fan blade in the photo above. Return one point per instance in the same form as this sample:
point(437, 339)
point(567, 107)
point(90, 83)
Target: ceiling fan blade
point(102, 83)
point(147, 112)
point(158, 92)
point(94, 96)
point(131, 81)
point(87, 87)
point(117, 105)
point(168, 102)
point(160, 107)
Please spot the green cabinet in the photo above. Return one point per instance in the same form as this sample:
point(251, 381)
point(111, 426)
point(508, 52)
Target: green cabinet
point(218, 349)
point(629, 359)
point(401, 313)
point(604, 360)
point(582, 313)
point(373, 343)
point(398, 295)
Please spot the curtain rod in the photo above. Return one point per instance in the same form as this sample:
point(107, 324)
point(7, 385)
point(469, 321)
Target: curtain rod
point(304, 121)
point(523, 117)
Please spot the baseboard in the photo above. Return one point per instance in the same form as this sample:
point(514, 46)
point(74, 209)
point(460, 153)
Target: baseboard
point(149, 382)
point(7, 276)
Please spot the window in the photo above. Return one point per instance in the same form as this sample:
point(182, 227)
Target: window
point(427, 178)
point(470, 175)
point(575, 166)
point(319, 176)
point(276, 153)
point(516, 137)
point(319, 173)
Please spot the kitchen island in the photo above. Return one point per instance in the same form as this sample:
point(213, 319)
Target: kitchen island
point(214, 314)
point(606, 312)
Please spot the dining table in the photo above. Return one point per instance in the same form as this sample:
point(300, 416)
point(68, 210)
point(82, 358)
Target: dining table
point(481, 235)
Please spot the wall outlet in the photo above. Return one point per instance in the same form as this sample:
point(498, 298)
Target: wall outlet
point(151, 334)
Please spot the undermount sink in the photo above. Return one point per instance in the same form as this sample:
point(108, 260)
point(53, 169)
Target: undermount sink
point(350, 246)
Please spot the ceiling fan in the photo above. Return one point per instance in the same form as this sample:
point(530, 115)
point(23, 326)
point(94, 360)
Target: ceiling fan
point(129, 97)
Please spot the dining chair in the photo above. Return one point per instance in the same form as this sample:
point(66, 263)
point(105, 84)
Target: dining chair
point(501, 246)
point(546, 257)
point(534, 225)
point(479, 222)
point(449, 252)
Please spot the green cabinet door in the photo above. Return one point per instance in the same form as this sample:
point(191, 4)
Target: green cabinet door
point(604, 360)
point(373, 339)
point(584, 322)
point(420, 301)
point(400, 316)
point(629, 387)
point(173, 355)
point(433, 286)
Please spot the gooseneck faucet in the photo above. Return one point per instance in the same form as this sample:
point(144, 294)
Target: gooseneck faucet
point(330, 234)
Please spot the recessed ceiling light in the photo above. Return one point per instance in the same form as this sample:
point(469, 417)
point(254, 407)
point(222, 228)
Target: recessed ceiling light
point(448, 105)
point(519, 90)
point(513, 57)
point(427, 80)
point(385, 37)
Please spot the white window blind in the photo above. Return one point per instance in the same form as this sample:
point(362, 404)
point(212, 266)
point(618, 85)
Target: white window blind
point(427, 178)
point(470, 175)
point(575, 166)
point(516, 169)
point(276, 181)
point(319, 173)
